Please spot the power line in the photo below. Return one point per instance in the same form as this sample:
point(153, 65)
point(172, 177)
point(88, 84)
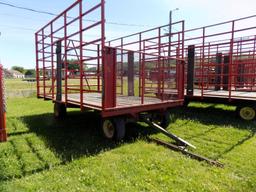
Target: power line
point(53, 14)
point(27, 9)
point(18, 28)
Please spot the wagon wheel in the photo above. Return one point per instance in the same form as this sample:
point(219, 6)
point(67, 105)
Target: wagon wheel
point(60, 111)
point(186, 103)
point(166, 119)
point(247, 113)
point(114, 128)
point(163, 119)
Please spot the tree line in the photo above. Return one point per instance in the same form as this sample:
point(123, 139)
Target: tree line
point(26, 72)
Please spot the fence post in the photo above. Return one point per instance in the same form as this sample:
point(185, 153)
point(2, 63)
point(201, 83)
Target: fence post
point(3, 134)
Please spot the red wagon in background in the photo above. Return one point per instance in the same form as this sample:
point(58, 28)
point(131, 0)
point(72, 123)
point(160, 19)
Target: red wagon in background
point(76, 68)
point(221, 65)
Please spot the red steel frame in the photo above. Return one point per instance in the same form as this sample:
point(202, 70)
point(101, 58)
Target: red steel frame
point(225, 59)
point(73, 42)
point(102, 69)
point(155, 41)
point(3, 134)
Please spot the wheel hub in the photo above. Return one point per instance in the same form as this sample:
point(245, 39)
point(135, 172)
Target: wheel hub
point(108, 129)
point(247, 113)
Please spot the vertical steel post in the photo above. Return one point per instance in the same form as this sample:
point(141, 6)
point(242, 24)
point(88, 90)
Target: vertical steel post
point(143, 77)
point(122, 67)
point(254, 62)
point(226, 73)
point(178, 50)
point(203, 65)
point(109, 76)
point(59, 72)
point(103, 49)
point(218, 71)
point(170, 34)
point(240, 74)
point(190, 70)
point(180, 75)
point(81, 54)
point(52, 62)
point(43, 50)
point(98, 68)
point(140, 69)
point(182, 81)
point(208, 69)
point(183, 39)
point(230, 76)
point(37, 67)
point(65, 57)
point(130, 73)
point(160, 65)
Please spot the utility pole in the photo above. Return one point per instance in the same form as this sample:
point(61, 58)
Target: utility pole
point(170, 30)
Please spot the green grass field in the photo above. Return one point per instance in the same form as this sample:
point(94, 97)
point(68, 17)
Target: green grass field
point(43, 154)
point(17, 84)
point(16, 88)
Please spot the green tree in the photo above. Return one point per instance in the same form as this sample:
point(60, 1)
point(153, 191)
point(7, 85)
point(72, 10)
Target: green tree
point(72, 65)
point(18, 68)
point(30, 72)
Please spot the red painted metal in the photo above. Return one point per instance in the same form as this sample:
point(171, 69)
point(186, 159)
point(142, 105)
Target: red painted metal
point(3, 134)
point(75, 50)
point(109, 76)
point(94, 71)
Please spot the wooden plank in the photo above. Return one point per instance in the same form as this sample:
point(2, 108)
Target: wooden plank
point(94, 100)
point(224, 94)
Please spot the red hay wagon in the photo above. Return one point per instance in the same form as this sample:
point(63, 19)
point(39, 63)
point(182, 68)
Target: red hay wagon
point(221, 65)
point(75, 67)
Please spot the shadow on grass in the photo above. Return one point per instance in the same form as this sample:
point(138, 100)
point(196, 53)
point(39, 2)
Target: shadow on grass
point(213, 115)
point(241, 142)
point(78, 134)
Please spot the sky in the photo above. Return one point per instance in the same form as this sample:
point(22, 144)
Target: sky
point(17, 27)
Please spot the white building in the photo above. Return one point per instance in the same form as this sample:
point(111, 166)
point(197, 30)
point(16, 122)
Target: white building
point(16, 74)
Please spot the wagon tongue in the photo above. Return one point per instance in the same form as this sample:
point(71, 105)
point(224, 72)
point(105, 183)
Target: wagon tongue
point(179, 140)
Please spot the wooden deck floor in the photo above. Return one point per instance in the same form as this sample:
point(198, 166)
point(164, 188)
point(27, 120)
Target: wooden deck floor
point(225, 94)
point(95, 99)
point(245, 95)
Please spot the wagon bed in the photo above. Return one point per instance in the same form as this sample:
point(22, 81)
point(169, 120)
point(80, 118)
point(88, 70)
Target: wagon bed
point(240, 95)
point(124, 103)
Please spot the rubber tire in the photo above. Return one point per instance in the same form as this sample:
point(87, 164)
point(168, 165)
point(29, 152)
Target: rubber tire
point(166, 119)
point(162, 119)
point(186, 103)
point(119, 129)
point(60, 111)
point(250, 109)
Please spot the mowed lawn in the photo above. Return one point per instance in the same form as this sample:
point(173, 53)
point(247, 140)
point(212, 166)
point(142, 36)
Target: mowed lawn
point(43, 154)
